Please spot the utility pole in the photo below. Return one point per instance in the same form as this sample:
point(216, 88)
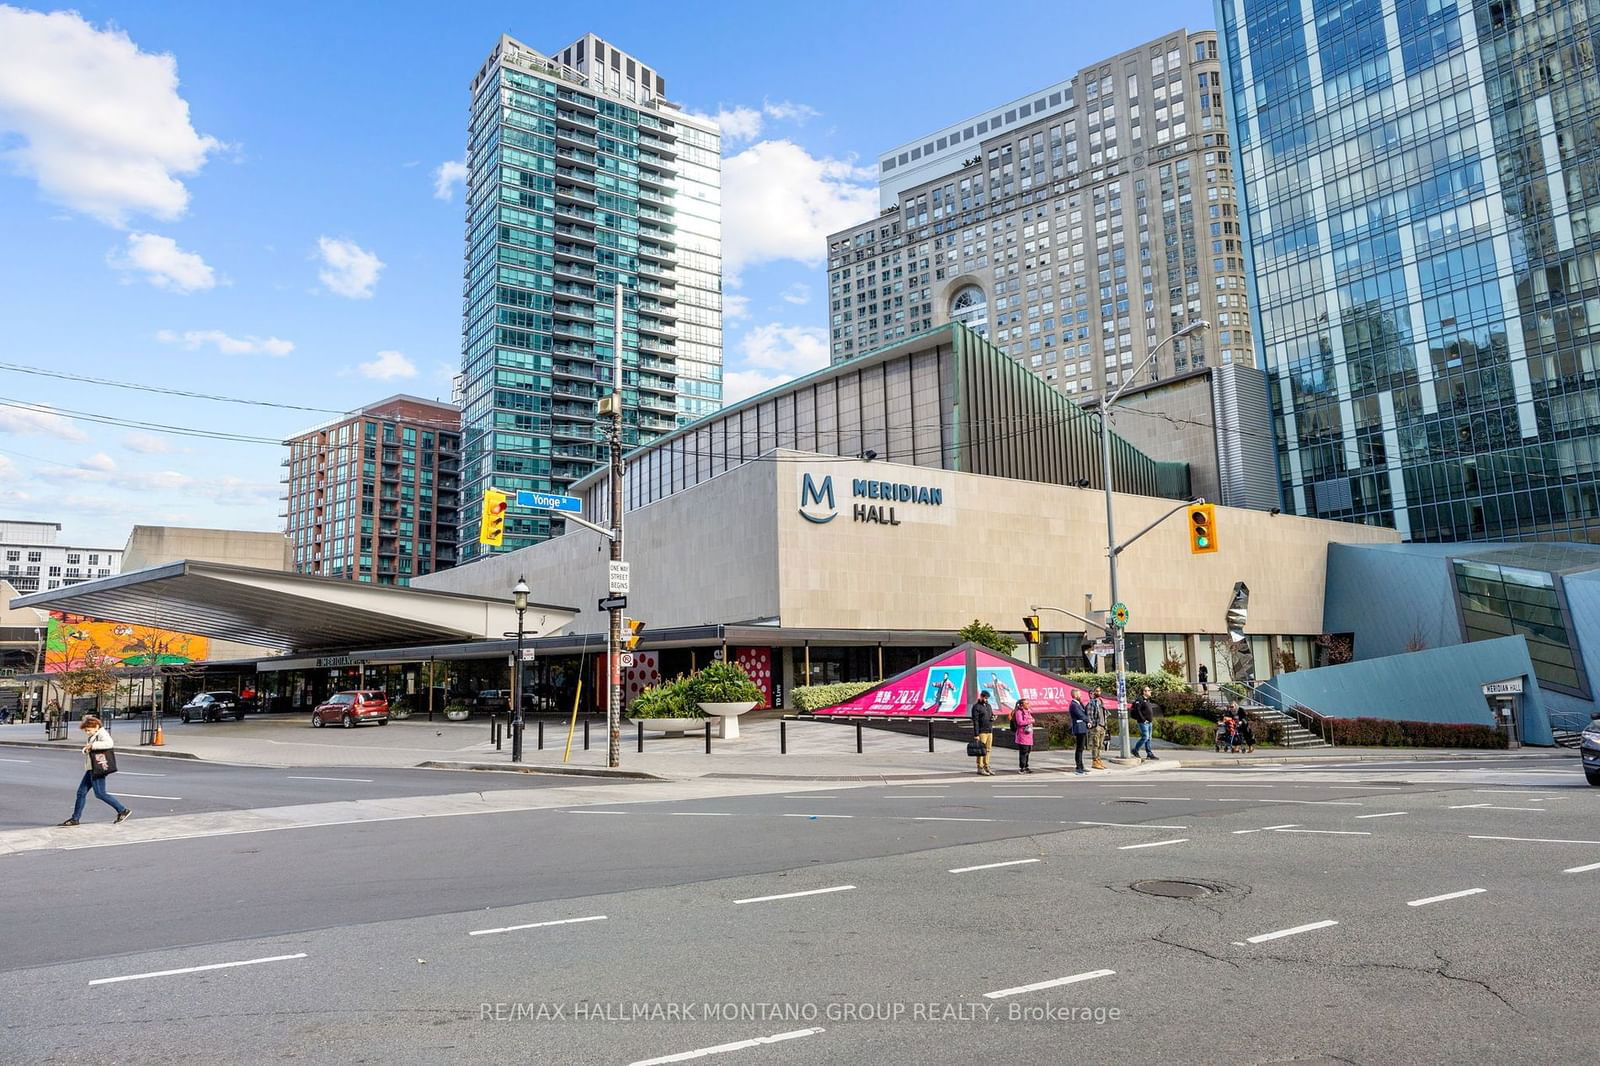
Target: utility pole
point(614, 641)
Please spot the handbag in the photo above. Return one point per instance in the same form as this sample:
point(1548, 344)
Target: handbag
point(975, 747)
point(103, 762)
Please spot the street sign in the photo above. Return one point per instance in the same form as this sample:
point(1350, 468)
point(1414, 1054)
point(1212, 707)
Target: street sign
point(614, 603)
point(625, 659)
point(1101, 647)
point(617, 578)
point(1119, 614)
point(529, 655)
point(549, 501)
point(1512, 687)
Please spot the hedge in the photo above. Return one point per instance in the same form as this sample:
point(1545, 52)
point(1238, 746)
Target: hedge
point(816, 697)
point(1384, 733)
point(1267, 733)
point(1161, 681)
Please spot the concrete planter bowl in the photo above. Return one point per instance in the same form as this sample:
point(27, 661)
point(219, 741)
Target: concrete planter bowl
point(727, 715)
point(670, 726)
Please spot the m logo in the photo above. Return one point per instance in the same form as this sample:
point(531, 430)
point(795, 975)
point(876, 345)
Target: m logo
point(816, 501)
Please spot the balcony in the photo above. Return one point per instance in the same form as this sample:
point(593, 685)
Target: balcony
point(581, 312)
point(660, 180)
point(576, 233)
point(581, 177)
point(582, 103)
point(572, 251)
point(574, 270)
point(579, 118)
point(573, 194)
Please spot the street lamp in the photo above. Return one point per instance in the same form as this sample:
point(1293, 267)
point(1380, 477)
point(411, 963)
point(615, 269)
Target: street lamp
point(519, 600)
point(1106, 403)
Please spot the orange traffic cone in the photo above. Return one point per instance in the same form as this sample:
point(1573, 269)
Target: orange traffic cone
point(159, 740)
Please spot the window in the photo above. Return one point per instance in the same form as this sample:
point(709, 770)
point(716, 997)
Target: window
point(1503, 601)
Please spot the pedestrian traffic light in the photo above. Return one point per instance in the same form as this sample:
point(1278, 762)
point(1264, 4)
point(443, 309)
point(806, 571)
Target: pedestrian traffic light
point(1030, 622)
point(492, 531)
point(1202, 529)
point(635, 634)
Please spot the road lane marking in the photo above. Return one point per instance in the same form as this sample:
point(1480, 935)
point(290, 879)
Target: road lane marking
point(1130, 825)
point(1448, 895)
point(819, 816)
point(1489, 807)
point(1263, 829)
point(811, 797)
point(595, 812)
point(1464, 806)
point(195, 969)
point(136, 773)
point(355, 780)
point(1271, 803)
point(136, 796)
point(1362, 788)
point(796, 895)
point(1175, 799)
point(992, 866)
point(1264, 937)
point(1029, 796)
point(737, 1045)
point(1582, 869)
point(538, 925)
point(1241, 784)
point(1153, 844)
point(1511, 792)
point(1386, 814)
point(1535, 840)
point(932, 818)
point(1328, 832)
point(701, 814)
point(16, 760)
point(1058, 982)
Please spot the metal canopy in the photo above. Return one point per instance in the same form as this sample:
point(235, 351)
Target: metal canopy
point(292, 612)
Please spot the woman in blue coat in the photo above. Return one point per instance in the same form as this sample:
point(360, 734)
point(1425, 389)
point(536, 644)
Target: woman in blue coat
point(1080, 730)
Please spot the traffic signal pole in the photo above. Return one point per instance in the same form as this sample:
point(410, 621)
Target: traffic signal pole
point(614, 632)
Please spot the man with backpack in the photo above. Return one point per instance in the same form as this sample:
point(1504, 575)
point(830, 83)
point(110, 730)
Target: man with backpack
point(982, 714)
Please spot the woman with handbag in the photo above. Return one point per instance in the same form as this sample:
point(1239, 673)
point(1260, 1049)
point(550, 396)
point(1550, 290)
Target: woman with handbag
point(1022, 729)
point(99, 761)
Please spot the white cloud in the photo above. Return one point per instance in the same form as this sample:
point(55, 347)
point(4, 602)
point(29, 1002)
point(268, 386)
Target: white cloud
point(388, 366)
point(735, 306)
point(226, 489)
point(772, 354)
point(446, 176)
point(99, 461)
point(743, 123)
point(96, 122)
point(150, 444)
point(798, 293)
point(347, 268)
point(39, 422)
point(789, 111)
point(163, 263)
point(192, 339)
point(781, 202)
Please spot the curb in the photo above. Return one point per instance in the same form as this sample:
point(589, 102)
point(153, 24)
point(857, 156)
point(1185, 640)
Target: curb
point(525, 768)
point(1416, 756)
point(52, 745)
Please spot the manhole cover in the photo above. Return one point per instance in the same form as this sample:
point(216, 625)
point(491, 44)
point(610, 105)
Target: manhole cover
point(1172, 889)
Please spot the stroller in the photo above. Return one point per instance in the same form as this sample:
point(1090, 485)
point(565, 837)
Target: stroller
point(1227, 735)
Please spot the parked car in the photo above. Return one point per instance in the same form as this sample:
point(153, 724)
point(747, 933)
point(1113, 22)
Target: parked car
point(353, 708)
point(212, 707)
point(1589, 747)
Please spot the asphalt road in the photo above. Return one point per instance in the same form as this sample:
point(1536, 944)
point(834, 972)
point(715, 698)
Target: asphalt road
point(37, 786)
point(1376, 914)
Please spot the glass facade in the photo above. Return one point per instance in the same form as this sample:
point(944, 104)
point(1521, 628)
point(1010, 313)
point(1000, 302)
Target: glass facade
point(1421, 201)
point(1504, 601)
point(578, 184)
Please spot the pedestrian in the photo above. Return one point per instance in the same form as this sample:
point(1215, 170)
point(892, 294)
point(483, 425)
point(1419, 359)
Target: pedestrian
point(1247, 733)
point(1204, 677)
point(1022, 727)
point(93, 776)
point(1097, 729)
point(1080, 730)
point(1142, 713)
point(982, 714)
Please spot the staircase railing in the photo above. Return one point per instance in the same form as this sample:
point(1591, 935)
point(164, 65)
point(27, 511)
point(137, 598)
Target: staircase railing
point(1312, 721)
point(1567, 727)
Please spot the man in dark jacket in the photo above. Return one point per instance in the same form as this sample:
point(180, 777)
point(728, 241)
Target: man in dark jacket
point(982, 714)
point(1097, 729)
point(1080, 730)
point(1144, 716)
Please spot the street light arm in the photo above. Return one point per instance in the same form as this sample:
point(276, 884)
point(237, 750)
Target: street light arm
point(1188, 503)
point(611, 534)
point(1089, 621)
point(1193, 327)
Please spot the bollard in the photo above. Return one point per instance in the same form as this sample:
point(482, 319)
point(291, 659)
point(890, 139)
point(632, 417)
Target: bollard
point(708, 736)
point(586, 734)
point(640, 724)
point(783, 737)
point(498, 735)
point(858, 738)
point(541, 734)
point(930, 736)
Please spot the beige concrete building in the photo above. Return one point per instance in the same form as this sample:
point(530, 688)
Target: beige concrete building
point(154, 545)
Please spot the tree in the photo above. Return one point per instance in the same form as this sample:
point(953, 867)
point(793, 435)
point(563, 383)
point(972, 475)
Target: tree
point(93, 675)
point(1173, 664)
point(982, 633)
point(1288, 663)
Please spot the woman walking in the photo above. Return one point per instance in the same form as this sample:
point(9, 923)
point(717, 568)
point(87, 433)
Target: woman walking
point(1022, 727)
point(99, 741)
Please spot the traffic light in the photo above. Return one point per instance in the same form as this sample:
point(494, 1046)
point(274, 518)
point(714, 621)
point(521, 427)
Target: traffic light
point(492, 531)
point(1202, 529)
point(635, 634)
point(1030, 622)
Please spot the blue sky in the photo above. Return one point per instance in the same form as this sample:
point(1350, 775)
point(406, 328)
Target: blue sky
point(242, 200)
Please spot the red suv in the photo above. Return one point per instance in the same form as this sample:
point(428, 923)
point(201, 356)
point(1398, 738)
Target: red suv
point(352, 709)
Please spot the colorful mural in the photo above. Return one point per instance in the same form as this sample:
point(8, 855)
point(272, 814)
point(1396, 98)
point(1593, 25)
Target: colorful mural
point(73, 640)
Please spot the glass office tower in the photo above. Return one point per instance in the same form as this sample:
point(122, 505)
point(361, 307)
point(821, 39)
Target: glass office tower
point(582, 177)
point(1421, 194)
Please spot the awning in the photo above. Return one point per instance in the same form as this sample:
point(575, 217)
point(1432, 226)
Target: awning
point(292, 612)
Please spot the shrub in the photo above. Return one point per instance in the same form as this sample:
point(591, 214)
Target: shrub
point(1172, 704)
point(1388, 733)
point(816, 697)
point(670, 699)
point(988, 636)
point(1107, 683)
point(1184, 734)
point(723, 683)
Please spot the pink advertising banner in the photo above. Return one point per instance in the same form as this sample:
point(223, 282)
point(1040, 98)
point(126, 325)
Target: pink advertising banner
point(947, 686)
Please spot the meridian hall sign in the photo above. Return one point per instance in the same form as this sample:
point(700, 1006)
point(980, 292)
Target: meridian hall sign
point(884, 503)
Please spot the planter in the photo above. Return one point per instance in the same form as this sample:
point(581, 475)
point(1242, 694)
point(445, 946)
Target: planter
point(457, 714)
point(670, 726)
point(400, 711)
point(728, 717)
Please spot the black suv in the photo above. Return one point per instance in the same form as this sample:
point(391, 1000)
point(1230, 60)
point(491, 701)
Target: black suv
point(212, 707)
